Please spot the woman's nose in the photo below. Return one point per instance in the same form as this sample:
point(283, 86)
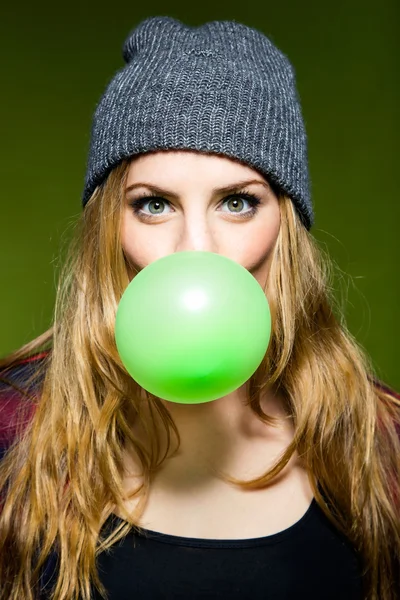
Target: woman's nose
point(197, 237)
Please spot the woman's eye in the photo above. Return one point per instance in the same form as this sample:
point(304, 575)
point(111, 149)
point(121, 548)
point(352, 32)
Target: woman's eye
point(157, 205)
point(235, 203)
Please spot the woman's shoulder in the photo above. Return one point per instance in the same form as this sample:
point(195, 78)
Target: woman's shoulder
point(19, 387)
point(385, 388)
point(390, 399)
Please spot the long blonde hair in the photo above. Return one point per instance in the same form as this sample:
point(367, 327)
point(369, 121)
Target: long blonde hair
point(62, 477)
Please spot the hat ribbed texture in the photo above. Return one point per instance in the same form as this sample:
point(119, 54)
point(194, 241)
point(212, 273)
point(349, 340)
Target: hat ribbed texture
point(221, 87)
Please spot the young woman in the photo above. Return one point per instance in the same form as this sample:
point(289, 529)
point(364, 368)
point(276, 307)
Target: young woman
point(287, 487)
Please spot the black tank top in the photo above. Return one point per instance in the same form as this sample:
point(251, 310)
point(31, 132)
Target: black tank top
point(309, 560)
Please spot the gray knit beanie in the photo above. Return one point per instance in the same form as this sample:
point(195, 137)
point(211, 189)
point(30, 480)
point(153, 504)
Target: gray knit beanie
point(222, 87)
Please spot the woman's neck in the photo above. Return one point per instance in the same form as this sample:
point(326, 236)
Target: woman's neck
point(223, 434)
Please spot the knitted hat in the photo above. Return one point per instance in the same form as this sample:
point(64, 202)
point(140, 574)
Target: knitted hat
point(221, 87)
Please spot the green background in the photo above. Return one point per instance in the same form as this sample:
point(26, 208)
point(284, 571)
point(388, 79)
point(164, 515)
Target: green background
point(57, 60)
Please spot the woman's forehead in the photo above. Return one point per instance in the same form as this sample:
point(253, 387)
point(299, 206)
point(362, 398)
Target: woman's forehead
point(188, 163)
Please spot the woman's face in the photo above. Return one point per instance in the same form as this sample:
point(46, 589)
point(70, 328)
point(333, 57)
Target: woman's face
point(190, 210)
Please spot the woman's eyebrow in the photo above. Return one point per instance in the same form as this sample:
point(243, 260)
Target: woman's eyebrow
point(157, 190)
